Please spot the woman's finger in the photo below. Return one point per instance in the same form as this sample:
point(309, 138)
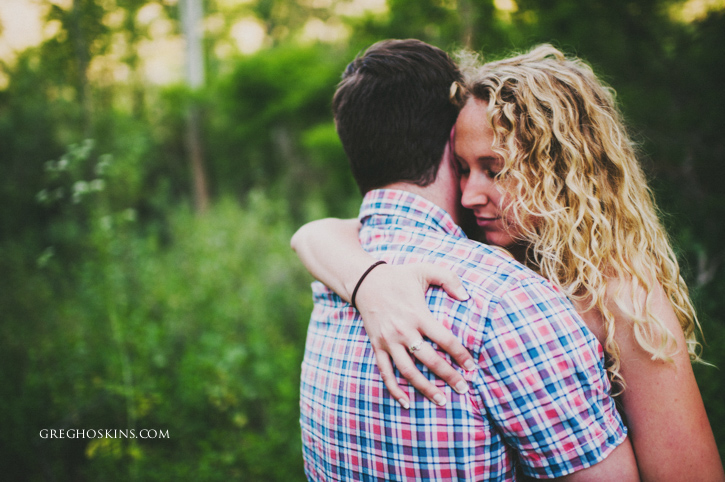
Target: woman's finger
point(448, 342)
point(388, 376)
point(431, 274)
point(427, 355)
point(410, 372)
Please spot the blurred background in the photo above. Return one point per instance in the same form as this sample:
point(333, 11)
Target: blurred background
point(157, 155)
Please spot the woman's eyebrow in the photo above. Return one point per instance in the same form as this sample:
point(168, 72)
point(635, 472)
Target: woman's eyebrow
point(492, 158)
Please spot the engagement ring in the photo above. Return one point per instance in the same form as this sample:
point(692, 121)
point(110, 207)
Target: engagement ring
point(417, 346)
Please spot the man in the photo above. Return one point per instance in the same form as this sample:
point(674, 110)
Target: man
point(538, 401)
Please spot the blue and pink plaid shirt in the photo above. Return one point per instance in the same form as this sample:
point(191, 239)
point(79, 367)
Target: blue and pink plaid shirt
point(538, 402)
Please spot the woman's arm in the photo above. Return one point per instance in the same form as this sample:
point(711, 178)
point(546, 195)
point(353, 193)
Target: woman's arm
point(331, 252)
point(668, 426)
point(391, 301)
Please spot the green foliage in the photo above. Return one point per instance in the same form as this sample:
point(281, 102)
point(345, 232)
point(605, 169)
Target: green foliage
point(198, 334)
point(269, 125)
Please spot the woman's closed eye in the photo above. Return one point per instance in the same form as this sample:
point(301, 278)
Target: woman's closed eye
point(492, 167)
point(461, 166)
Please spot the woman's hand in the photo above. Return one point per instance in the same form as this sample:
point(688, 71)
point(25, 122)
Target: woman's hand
point(392, 303)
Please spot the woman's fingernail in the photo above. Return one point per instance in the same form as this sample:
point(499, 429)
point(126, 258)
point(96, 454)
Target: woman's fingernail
point(404, 404)
point(469, 365)
point(462, 294)
point(462, 387)
point(439, 400)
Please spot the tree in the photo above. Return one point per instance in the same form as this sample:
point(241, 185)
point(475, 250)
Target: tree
point(192, 16)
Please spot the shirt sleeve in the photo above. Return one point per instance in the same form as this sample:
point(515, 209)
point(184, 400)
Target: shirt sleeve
point(544, 383)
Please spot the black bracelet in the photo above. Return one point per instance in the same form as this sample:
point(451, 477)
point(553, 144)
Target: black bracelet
point(359, 282)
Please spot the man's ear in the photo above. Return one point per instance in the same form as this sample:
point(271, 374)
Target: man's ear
point(448, 166)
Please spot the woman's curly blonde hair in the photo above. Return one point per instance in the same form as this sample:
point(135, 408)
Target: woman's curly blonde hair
point(574, 185)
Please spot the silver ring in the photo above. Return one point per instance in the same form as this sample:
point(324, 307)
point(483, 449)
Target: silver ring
point(416, 346)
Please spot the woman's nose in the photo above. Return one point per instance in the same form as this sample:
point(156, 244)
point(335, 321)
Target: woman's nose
point(473, 193)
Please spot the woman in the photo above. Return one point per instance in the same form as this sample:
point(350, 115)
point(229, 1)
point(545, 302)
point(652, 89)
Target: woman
point(549, 173)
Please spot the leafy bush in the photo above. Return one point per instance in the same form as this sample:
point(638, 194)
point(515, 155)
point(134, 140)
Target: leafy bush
point(196, 329)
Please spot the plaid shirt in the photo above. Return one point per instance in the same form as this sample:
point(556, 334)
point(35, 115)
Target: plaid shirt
point(538, 402)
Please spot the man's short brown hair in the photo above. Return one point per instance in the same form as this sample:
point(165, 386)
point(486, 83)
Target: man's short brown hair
point(393, 113)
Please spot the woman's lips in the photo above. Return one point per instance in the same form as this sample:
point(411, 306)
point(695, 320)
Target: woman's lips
point(484, 221)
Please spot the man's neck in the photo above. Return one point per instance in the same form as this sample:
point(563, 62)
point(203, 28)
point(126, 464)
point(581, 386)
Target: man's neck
point(446, 199)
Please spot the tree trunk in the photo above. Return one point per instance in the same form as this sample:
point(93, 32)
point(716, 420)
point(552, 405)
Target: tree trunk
point(196, 158)
point(466, 13)
point(82, 58)
point(191, 17)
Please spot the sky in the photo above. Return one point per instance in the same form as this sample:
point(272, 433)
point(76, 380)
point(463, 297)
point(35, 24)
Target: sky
point(21, 26)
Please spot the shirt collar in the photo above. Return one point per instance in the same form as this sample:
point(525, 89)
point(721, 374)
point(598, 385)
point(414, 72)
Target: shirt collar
point(403, 208)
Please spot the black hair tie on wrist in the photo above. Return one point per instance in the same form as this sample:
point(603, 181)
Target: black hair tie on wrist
point(359, 282)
